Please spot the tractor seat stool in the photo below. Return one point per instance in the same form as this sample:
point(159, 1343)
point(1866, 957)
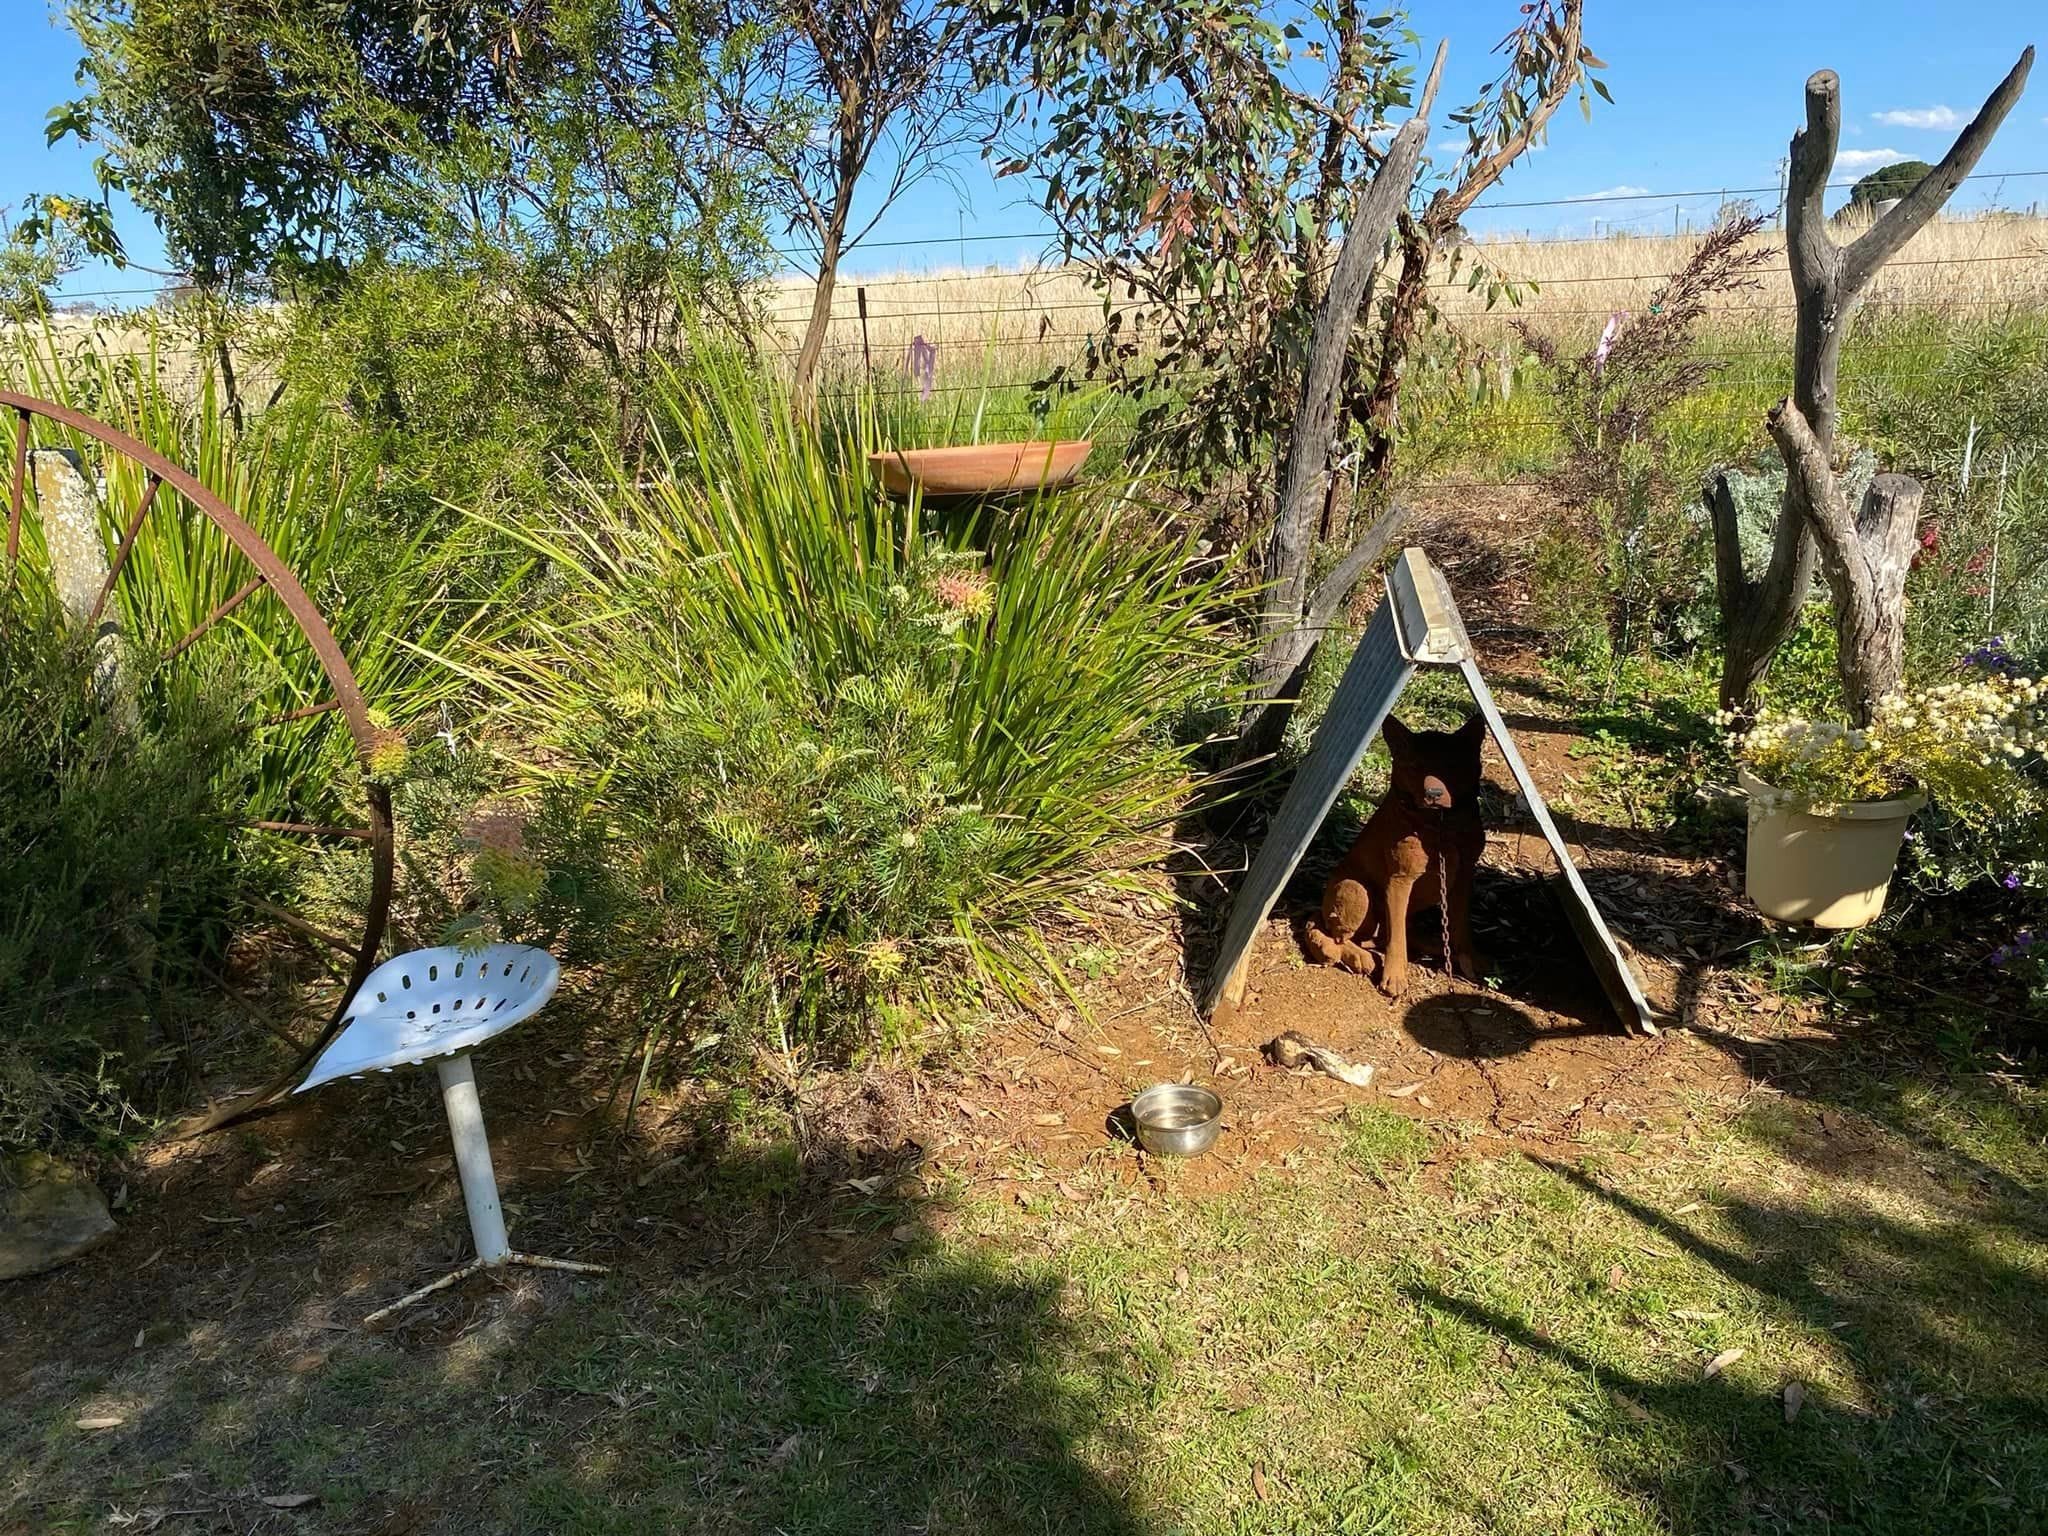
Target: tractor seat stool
point(438, 1005)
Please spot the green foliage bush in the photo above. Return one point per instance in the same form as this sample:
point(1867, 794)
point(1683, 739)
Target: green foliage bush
point(834, 753)
point(119, 879)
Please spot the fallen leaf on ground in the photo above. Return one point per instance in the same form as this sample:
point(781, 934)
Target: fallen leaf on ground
point(1617, 1277)
point(290, 1500)
point(1180, 1278)
point(1259, 1484)
point(1723, 1360)
point(1109, 1050)
point(1795, 1399)
point(1687, 1209)
point(105, 1421)
point(1049, 1119)
point(1402, 1093)
point(1632, 1408)
point(784, 1451)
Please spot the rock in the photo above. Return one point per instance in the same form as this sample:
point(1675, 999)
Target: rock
point(50, 1213)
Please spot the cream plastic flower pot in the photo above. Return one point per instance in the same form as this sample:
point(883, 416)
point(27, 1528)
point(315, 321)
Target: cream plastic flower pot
point(1829, 867)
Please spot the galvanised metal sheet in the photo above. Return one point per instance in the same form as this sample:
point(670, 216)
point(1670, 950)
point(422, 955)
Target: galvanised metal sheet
point(1416, 624)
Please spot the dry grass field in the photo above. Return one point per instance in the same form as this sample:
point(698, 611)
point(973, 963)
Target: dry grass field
point(1005, 326)
point(1010, 319)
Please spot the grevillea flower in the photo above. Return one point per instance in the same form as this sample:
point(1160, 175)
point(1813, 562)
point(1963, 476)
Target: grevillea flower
point(965, 592)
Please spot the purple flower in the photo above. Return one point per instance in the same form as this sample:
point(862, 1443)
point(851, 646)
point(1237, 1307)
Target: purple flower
point(2000, 955)
point(923, 366)
point(1992, 656)
point(2012, 880)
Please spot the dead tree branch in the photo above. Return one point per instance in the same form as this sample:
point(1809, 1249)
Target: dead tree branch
point(1288, 641)
point(1828, 283)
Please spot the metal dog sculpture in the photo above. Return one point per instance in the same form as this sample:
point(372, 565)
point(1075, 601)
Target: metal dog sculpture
point(1418, 850)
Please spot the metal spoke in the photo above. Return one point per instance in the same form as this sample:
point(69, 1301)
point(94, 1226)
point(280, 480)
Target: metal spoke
point(310, 829)
point(247, 590)
point(127, 547)
point(298, 924)
point(302, 714)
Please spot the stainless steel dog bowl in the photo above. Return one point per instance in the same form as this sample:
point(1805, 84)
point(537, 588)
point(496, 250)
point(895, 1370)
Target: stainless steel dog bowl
point(1177, 1119)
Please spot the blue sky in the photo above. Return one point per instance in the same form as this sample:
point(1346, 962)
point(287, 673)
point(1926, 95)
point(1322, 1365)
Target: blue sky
point(1706, 97)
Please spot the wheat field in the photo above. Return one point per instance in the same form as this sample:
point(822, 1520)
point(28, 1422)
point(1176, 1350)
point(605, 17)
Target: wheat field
point(1008, 323)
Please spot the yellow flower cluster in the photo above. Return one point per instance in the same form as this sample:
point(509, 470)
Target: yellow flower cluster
point(1962, 743)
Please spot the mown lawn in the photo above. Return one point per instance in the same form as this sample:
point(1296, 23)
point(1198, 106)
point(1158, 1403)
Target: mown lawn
point(1371, 1340)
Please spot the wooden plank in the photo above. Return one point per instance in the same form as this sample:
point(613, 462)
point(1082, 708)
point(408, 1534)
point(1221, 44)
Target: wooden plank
point(1372, 682)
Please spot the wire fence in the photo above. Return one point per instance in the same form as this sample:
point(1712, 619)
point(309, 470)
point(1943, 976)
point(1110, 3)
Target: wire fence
point(997, 330)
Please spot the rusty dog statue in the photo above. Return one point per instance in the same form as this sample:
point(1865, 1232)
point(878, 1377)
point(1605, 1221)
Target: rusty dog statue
point(1418, 850)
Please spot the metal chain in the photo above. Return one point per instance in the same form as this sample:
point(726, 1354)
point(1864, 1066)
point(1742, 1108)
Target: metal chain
point(1443, 904)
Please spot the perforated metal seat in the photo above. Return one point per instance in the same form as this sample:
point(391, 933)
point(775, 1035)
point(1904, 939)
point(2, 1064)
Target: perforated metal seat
point(438, 1005)
point(435, 1002)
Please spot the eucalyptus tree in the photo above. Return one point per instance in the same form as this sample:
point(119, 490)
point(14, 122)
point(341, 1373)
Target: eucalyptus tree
point(566, 154)
point(845, 105)
point(1216, 166)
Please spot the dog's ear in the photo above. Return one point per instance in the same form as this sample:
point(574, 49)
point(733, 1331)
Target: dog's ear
point(1398, 735)
point(1474, 729)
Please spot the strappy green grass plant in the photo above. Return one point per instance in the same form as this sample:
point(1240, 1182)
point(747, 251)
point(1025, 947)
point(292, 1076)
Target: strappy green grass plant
point(1058, 657)
point(298, 475)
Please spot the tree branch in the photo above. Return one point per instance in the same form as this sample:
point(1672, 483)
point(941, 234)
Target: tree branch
point(1308, 443)
point(1335, 588)
point(1882, 240)
point(1807, 462)
point(1449, 205)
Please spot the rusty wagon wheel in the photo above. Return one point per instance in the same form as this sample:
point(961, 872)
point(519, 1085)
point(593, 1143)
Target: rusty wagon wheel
point(162, 485)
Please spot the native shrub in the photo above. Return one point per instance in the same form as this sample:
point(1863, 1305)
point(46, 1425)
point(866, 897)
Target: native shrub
point(119, 879)
point(837, 756)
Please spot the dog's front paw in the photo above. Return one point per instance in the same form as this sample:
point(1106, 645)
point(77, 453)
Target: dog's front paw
point(1394, 977)
point(1357, 959)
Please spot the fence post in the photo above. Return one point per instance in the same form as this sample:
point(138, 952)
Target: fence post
point(860, 297)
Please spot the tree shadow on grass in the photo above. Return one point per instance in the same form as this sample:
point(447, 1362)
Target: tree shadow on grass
point(1938, 1417)
point(1978, 1131)
point(785, 1343)
point(860, 1377)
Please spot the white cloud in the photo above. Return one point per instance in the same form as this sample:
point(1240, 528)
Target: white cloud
point(1450, 146)
point(1866, 159)
point(1610, 192)
point(1920, 117)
